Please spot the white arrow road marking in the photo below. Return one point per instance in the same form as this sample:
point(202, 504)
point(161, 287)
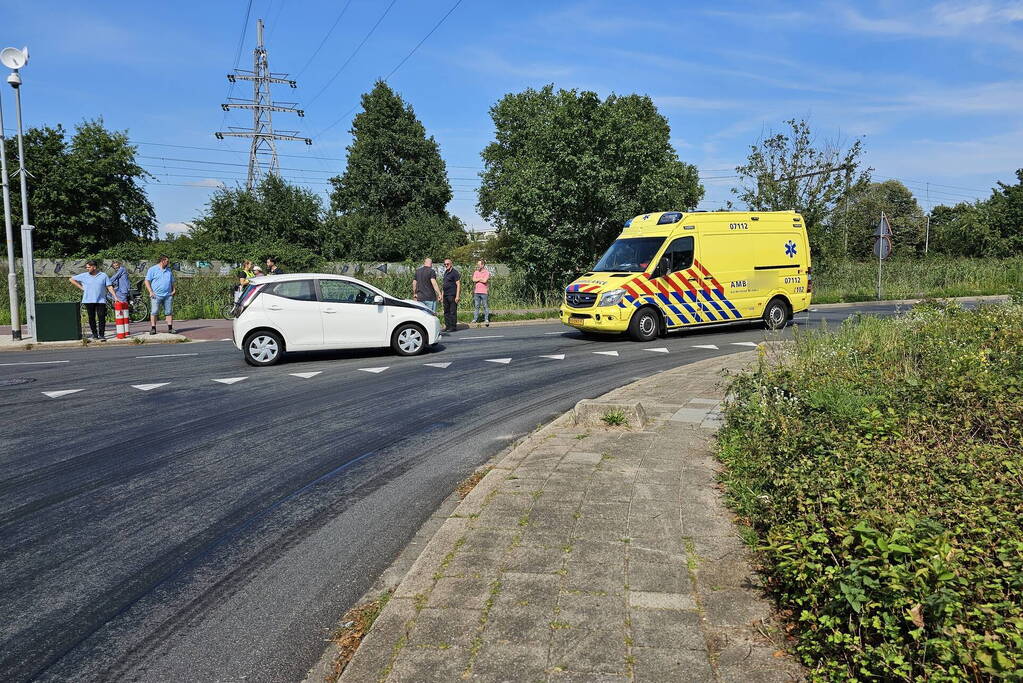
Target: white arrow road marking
point(306, 375)
point(230, 380)
point(37, 362)
point(169, 355)
point(437, 365)
point(375, 370)
point(499, 360)
point(606, 353)
point(705, 346)
point(744, 344)
point(658, 350)
point(557, 356)
point(58, 394)
point(149, 387)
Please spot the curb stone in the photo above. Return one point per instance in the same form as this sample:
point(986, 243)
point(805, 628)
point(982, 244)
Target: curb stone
point(589, 553)
point(136, 340)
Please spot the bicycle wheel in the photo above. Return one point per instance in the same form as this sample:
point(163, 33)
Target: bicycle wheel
point(138, 309)
point(227, 311)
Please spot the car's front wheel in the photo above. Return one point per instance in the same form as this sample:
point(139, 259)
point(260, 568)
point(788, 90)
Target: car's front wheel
point(263, 348)
point(408, 340)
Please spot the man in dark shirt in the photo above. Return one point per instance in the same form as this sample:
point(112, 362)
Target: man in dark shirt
point(272, 268)
point(452, 293)
point(424, 285)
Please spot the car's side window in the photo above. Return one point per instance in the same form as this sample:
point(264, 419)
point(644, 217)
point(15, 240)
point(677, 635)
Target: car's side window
point(300, 290)
point(679, 254)
point(342, 292)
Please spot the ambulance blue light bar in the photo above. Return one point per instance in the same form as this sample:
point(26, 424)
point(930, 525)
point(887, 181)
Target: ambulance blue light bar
point(628, 222)
point(669, 217)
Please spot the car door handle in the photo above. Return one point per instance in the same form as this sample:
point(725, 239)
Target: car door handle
point(275, 308)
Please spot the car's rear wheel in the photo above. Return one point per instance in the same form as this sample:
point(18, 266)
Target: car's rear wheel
point(263, 348)
point(408, 340)
point(644, 324)
point(776, 314)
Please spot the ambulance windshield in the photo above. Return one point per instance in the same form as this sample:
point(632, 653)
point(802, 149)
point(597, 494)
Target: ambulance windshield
point(629, 255)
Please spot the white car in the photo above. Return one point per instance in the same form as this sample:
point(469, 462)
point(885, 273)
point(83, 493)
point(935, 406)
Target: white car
point(313, 312)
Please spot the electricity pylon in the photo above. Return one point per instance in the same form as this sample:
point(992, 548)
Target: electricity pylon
point(262, 150)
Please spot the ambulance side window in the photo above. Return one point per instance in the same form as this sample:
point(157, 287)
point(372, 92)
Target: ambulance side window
point(679, 254)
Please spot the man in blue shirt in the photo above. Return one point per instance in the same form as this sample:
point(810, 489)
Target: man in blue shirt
point(119, 281)
point(160, 283)
point(94, 285)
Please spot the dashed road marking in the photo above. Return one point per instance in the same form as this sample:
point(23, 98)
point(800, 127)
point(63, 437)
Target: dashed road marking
point(606, 353)
point(169, 355)
point(37, 362)
point(58, 394)
point(375, 370)
point(705, 346)
point(230, 380)
point(754, 344)
point(556, 356)
point(505, 361)
point(558, 332)
point(659, 349)
point(149, 387)
point(437, 365)
point(306, 375)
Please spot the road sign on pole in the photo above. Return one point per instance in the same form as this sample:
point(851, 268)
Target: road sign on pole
point(882, 246)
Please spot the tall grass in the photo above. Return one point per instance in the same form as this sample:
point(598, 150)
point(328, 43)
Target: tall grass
point(912, 279)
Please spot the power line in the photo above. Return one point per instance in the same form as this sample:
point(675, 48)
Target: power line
point(399, 65)
point(354, 52)
point(324, 41)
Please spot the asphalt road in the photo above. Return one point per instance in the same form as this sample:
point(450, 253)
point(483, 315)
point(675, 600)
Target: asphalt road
point(204, 530)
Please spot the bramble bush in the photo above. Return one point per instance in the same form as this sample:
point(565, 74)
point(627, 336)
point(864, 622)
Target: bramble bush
point(880, 469)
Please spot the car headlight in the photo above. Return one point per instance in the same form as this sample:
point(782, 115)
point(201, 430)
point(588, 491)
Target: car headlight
point(611, 298)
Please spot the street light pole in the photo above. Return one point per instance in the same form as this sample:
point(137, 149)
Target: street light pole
point(28, 263)
point(12, 275)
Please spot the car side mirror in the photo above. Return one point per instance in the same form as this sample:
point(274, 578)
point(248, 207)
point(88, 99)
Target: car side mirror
point(378, 300)
point(662, 268)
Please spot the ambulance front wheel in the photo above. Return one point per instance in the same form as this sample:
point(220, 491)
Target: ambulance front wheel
point(776, 314)
point(643, 326)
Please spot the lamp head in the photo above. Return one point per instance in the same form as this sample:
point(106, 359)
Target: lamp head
point(13, 58)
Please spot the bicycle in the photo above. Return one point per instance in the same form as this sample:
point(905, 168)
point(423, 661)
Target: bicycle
point(138, 309)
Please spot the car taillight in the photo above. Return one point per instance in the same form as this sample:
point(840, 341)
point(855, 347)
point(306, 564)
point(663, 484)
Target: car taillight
point(809, 280)
point(247, 297)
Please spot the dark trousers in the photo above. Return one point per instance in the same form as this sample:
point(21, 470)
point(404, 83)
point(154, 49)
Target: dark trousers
point(450, 312)
point(97, 311)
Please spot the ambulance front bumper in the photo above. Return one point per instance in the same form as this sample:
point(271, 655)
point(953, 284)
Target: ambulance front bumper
point(609, 319)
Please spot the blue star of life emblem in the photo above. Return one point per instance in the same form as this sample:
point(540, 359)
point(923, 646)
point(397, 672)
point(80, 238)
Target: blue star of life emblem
point(790, 249)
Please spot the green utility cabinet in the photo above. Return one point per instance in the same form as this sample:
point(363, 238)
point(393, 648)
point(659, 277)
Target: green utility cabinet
point(58, 321)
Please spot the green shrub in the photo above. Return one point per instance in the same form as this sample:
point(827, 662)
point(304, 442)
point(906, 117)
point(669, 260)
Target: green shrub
point(880, 467)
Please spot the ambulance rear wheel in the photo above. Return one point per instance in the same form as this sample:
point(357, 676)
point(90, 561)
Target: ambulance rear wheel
point(644, 325)
point(776, 314)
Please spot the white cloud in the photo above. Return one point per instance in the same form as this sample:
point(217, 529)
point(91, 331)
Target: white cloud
point(490, 62)
point(206, 182)
point(946, 19)
point(176, 228)
point(692, 103)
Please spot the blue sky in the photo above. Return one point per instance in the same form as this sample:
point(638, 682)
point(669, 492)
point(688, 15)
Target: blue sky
point(935, 89)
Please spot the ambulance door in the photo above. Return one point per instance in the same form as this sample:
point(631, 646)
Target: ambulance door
point(671, 280)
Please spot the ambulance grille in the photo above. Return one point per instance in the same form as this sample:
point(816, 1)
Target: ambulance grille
point(580, 299)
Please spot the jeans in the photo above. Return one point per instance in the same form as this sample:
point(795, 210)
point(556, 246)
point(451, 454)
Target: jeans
point(450, 312)
point(97, 311)
point(481, 301)
point(166, 301)
point(432, 305)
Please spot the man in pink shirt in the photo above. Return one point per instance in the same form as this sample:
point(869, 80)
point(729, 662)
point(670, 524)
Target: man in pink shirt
point(481, 292)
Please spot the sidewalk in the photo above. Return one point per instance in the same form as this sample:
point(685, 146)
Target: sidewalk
point(590, 553)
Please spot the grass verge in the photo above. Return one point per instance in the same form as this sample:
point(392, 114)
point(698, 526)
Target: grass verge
point(356, 623)
point(880, 469)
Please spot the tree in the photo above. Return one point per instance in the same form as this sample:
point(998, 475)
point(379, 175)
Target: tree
point(567, 169)
point(867, 202)
point(274, 211)
point(361, 237)
point(777, 177)
point(991, 227)
point(83, 196)
point(394, 170)
point(1006, 206)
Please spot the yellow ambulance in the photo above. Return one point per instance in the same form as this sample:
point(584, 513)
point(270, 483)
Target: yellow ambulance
point(671, 270)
